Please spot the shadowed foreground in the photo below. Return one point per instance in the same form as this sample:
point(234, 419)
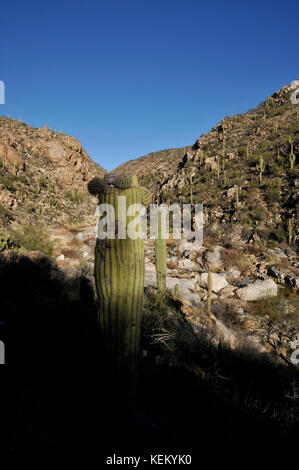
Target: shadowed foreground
point(56, 395)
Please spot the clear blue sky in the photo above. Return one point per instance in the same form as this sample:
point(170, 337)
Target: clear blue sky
point(129, 77)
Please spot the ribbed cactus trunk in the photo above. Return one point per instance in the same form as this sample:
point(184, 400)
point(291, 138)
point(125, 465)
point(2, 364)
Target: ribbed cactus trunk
point(160, 255)
point(119, 276)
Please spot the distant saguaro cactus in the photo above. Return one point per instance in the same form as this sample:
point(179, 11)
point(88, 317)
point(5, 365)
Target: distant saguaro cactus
point(201, 157)
point(290, 230)
point(191, 185)
point(209, 297)
point(291, 144)
point(119, 279)
point(160, 255)
point(218, 169)
point(247, 151)
point(261, 168)
point(292, 158)
point(224, 148)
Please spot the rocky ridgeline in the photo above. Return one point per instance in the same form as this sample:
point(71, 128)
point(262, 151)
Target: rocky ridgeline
point(244, 171)
point(43, 176)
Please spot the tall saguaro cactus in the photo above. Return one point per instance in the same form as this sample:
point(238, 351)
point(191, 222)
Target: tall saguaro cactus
point(160, 255)
point(119, 278)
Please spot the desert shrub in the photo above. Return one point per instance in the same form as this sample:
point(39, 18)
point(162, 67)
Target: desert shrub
point(9, 182)
point(4, 212)
point(75, 196)
point(272, 193)
point(6, 242)
point(230, 256)
point(33, 238)
point(157, 324)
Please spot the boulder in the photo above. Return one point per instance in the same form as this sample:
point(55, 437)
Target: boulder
point(292, 281)
point(182, 283)
point(189, 246)
point(231, 191)
point(213, 258)
point(218, 282)
point(187, 264)
point(273, 272)
point(258, 290)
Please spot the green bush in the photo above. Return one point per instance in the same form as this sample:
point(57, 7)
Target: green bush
point(9, 182)
point(6, 243)
point(75, 196)
point(33, 239)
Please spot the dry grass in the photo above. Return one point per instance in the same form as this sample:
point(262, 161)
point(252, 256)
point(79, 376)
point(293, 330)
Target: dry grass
point(172, 265)
point(230, 257)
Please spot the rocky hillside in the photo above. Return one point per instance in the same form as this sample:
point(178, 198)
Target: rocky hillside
point(157, 166)
point(43, 176)
point(244, 171)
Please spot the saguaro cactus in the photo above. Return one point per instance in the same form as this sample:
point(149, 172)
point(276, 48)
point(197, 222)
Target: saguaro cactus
point(218, 169)
point(209, 292)
point(119, 278)
point(290, 230)
point(261, 168)
point(292, 158)
point(237, 195)
point(224, 148)
point(247, 151)
point(160, 255)
point(201, 157)
point(291, 142)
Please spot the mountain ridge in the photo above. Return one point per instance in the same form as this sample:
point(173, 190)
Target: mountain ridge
point(44, 173)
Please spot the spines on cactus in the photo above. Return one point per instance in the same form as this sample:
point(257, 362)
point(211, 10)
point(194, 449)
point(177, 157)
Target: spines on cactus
point(123, 182)
point(146, 196)
point(118, 181)
point(97, 186)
